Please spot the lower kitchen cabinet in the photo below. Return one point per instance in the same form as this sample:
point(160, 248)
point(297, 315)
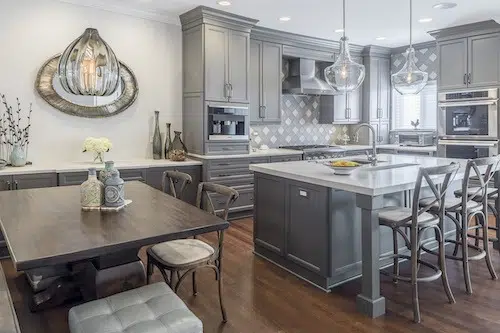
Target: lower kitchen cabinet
point(154, 178)
point(77, 178)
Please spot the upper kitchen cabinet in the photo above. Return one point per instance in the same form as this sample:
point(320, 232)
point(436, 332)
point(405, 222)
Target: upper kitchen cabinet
point(469, 56)
point(265, 82)
point(216, 54)
point(378, 84)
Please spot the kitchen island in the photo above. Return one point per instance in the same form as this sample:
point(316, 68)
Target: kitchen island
point(324, 228)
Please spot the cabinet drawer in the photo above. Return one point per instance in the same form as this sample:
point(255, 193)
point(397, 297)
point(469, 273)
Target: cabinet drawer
point(133, 174)
point(226, 148)
point(236, 182)
point(72, 178)
point(236, 163)
point(276, 159)
point(215, 175)
point(244, 201)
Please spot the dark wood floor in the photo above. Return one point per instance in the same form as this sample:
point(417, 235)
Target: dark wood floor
point(261, 297)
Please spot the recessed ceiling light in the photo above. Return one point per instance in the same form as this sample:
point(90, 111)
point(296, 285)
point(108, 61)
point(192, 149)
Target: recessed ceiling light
point(425, 20)
point(444, 5)
point(285, 19)
point(339, 30)
point(381, 38)
point(224, 3)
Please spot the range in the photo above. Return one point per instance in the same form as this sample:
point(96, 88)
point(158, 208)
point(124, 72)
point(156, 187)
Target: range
point(317, 152)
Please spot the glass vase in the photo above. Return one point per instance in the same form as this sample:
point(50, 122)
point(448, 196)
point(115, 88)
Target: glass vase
point(157, 137)
point(98, 158)
point(168, 141)
point(179, 150)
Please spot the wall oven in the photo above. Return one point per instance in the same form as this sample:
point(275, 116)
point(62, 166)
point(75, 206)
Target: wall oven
point(468, 115)
point(227, 122)
point(467, 149)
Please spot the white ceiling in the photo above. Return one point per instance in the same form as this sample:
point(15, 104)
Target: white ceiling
point(366, 19)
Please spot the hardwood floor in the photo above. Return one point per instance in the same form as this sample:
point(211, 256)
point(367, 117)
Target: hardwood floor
point(261, 297)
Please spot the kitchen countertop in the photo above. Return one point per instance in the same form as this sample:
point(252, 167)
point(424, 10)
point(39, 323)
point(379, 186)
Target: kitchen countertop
point(258, 153)
point(84, 166)
point(362, 180)
point(428, 149)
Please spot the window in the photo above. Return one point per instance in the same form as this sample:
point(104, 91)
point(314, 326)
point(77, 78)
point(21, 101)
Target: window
point(408, 108)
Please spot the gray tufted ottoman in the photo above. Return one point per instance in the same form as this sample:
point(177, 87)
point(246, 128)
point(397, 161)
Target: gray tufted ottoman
point(153, 308)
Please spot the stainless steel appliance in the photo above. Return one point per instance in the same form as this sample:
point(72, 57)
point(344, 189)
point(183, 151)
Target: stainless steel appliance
point(303, 80)
point(416, 138)
point(467, 149)
point(468, 115)
point(318, 152)
point(228, 122)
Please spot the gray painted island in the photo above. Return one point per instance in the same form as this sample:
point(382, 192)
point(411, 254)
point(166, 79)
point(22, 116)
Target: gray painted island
point(324, 227)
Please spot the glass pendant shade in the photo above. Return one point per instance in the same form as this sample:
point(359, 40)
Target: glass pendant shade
point(345, 75)
point(409, 80)
point(89, 66)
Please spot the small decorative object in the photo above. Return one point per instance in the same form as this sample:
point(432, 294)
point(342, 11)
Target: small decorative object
point(179, 150)
point(168, 141)
point(89, 66)
point(14, 133)
point(345, 137)
point(98, 146)
point(415, 124)
point(343, 168)
point(114, 191)
point(157, 138)
point(92, 191)
point(109, 167)
point(108, 209)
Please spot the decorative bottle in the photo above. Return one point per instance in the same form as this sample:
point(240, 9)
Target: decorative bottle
point(179, 150)
point(104, 174)
point(168, 141)
point(114, 190)
point(157, 138)
point(91, 191)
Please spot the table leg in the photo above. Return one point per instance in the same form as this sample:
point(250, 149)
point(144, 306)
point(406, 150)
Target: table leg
point(370, 302)
point(496, 244)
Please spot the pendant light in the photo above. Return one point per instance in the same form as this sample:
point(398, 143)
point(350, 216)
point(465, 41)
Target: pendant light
point(345, 74)
point(410, 80)
point(89, 66)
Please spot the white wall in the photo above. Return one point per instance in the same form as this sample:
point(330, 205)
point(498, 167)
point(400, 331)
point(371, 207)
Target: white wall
point(31, 31)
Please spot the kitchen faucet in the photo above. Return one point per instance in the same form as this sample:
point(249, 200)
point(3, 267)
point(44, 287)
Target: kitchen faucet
point(373, 157)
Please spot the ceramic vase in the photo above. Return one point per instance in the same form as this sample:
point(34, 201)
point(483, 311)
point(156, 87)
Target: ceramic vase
point(114, 191)
point(179, 150)
point(109, 166)
point(17, 156)
point(157, 138)
point(91, 191)
point(168, 141)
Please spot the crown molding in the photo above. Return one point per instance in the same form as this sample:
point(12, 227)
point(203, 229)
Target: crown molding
point(147, 15)
point(466, 30)
point(208, 15)
point(376, 51)
point(418, 46)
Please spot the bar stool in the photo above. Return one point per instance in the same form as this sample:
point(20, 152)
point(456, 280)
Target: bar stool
point(418, 220)
point(466, 208)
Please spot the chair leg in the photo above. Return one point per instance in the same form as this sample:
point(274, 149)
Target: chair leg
point(149, 270)
point(195, 290)
point(396, 251)
point(476, 231)
point(442, 266)
point(222, 308)
point(457, 237)
point(465, 255)
point(414, 285)
point(487, 248)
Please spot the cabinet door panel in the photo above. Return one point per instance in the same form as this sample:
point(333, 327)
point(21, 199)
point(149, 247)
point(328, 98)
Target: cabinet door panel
point(216, 63)
point(339, 108)
point(383, 133)
point(255, 81)
point(374, 86)
point(271, 82)
point(6, 183)
point(307, 227)
point(452, 64)
point(269, 230)
point(484, 60)
point(384, 89)
point(38, 180)
point(239, 66)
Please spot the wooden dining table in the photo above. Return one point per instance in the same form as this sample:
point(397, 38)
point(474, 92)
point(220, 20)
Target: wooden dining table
point(47, 227)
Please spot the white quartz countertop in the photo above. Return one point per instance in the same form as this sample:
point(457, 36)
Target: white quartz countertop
point(428, 149)
point(362, 180)
point(83, 166)
point(258, 153)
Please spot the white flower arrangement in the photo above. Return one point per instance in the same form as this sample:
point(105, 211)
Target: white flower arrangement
point(98, 146)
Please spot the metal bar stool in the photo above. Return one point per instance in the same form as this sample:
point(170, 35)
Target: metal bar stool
point(186, 256)
point(419, 220)
point(466, 208)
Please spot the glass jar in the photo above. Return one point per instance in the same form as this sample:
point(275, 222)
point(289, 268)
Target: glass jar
point(179, 150)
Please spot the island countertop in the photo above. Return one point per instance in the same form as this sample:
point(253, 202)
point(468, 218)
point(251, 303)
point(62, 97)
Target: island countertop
point(363, 180)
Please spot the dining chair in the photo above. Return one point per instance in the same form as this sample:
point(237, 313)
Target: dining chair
point(183, 257)
point(418, 220)
point(172, 179)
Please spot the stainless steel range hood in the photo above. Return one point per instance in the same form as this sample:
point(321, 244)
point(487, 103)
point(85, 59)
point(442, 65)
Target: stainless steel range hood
point(302, 79)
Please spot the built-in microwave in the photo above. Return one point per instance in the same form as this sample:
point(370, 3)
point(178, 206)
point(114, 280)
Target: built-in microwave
point(467, 149)
point(227, 122)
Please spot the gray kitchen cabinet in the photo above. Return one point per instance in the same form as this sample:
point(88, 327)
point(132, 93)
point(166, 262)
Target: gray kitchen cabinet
point(28, 181)
point(290, 158)
point(239, 66)
point(469, 62)
point(5, 183)
point(77, 178)
point(383, 132)
point(265, 73)
point(154, 178)
point(452, 70)
point(380, 73)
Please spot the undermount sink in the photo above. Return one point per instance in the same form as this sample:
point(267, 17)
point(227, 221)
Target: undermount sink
point(389, 166)
point(365, 161)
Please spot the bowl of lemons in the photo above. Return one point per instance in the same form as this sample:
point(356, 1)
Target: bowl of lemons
point(342, 167)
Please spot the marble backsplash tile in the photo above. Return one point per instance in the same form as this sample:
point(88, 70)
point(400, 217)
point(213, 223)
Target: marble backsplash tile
point(299, 125)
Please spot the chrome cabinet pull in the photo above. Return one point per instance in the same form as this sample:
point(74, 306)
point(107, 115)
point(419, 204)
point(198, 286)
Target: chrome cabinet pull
point(16, 185)
point(9, 186)
point(465, 78)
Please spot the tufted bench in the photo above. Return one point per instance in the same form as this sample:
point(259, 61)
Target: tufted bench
point(154, 308)
point(8, 319)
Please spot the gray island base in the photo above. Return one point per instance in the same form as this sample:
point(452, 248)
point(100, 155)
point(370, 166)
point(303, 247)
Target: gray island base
point(324, 227)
